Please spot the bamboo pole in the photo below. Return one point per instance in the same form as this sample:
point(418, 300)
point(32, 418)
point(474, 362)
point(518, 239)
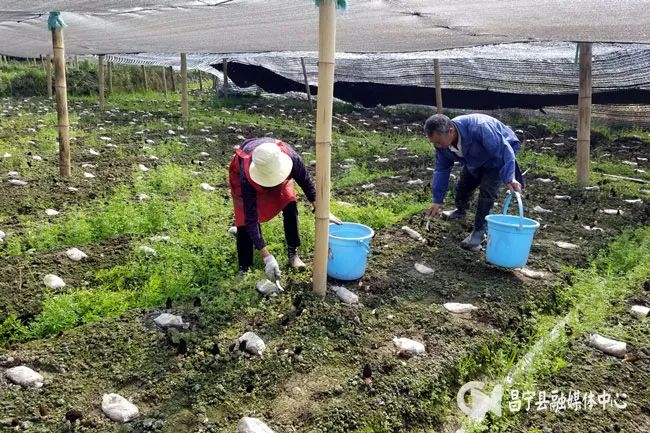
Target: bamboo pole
point(164, 80)
point(185, 113)
point(225, 78)
point(436, 69)
point(144, 77)
point(326, 53)
point(55, 24)
point(307, 90)
point(43, 63)
point(110, 77)
point(200, 80)
point(171, 74)
point(584, 115)
point(76, 61)
point(100, 79)
point(49, 76)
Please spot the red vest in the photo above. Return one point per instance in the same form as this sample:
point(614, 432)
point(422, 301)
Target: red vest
point(270, 201)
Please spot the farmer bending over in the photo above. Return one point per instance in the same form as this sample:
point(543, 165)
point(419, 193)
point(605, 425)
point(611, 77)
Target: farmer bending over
point(486, 148)
point(261, 184)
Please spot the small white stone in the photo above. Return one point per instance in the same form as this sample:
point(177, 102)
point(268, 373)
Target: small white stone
point(37, 158)
point(53, 282)
point(76, 254)
point(530, 273)
point(412, 233)
point(171, 132)
point(381, 160)
point(17, 182)
point(111, 146)
point(634, 201)
point(540, 209)
point(142, 196)
point(544, 180)
point(92, 152)
point(149, 141)
point(51, 212)
point(206, 154)
point(104, 138)
point(13, 174)
point(406, 346)
point(24, 376)
point(88, 175)
point(119, 409)
point(207, 187)
point(153, 158)
point(562, 197)
point(423, 269)
point(565, 245)
point(593, 229)
point(368, 186)
point(612, 211)
point(143, 168)
point(73, 189)
point(458, 308)
point(345, 295)
point(415, 182)
point(640, 311)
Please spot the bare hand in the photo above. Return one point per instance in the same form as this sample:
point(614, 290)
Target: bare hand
point(433, 210)
point(514, 186)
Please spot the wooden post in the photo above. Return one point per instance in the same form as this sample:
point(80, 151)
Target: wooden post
point(49, 76)
point(100, 79)
point(200, 80)
point(436, 69)
point(110, 77)
point(185, 113)
point(307, 90)
point(56, 24)
point(225, 78)
point(164, 80)
point(144, 77)
point(171, 74)
point(326, 53)
point(584, 115)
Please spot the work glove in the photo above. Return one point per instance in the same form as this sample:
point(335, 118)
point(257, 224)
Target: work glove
point(335, 220)
point(271, 268)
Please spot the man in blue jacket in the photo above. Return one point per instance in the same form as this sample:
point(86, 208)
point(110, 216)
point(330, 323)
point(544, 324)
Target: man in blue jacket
point(486, 148)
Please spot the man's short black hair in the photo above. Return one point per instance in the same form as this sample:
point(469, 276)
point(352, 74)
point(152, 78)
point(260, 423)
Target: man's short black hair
point(437, 123)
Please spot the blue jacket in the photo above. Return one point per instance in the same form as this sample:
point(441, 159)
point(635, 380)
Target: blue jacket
point(485, 143)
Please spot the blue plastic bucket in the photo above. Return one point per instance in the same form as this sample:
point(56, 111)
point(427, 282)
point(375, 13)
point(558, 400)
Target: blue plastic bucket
point(509, 237)
point(349, 246)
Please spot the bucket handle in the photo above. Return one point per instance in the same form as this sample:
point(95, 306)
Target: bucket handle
point(330, 254)
point(506, 205)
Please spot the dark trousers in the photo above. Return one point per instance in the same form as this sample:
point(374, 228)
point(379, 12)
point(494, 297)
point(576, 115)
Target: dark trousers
point(488, 181)
point(245, 247)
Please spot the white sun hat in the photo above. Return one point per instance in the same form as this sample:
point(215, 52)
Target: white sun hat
point(270, 166)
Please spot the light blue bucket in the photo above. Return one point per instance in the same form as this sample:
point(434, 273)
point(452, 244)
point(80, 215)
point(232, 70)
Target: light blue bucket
point(349, 246)
point(509, 237)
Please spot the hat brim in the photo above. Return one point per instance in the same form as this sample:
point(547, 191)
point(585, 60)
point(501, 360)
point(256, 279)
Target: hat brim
point(285, 164)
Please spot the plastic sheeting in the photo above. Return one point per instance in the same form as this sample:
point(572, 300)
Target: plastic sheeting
point(227, 26)
point(535, 68)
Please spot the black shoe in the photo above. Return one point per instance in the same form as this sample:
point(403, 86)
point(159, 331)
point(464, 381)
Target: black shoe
point(474, 240)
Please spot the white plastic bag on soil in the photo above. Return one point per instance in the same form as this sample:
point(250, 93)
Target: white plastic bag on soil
point(166, 320)
point(53, 281)
point(252, 425)
point(24, 376)
point(423, 269)
point(607, 345)
point(408, 347)
point(457, 308)
point(119, 409)
point(266, 288)
point(344, 295)
point(75, 254)
point(254, 344)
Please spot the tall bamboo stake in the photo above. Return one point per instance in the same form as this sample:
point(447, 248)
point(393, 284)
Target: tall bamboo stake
point(43, 63)
point(171, 74)
point(200, 80)
point(436, 69)
point(110, 77)
point(55, 25)
point(164, 80)
point(326, 53)
point(49, 76)
point(584, 115)
point(225, 77)
point(144, 77)
point(307, 90)
point(100, 79)
point(185, 113)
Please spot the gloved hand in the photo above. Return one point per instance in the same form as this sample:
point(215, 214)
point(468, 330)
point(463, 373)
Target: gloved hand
point(271, 268)
point(335, 220)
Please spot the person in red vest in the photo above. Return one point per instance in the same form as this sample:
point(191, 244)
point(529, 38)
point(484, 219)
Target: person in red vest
point(261, 178)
